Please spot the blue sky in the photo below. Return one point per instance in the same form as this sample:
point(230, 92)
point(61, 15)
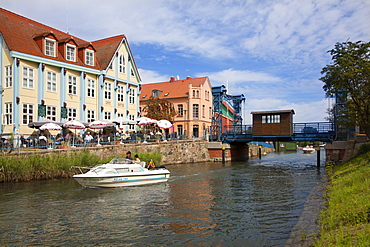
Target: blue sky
point(272, 52)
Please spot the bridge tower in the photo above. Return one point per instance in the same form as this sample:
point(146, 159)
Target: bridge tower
point(221, 104)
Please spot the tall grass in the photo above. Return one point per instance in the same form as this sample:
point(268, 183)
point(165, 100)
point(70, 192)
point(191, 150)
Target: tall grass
point(38, 167)
point(346, 219)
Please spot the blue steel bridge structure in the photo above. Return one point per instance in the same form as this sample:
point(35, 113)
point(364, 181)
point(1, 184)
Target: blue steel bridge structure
point(315, 131)
point(240, 133)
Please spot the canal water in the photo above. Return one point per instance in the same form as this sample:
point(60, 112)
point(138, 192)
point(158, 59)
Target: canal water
point(255, 203)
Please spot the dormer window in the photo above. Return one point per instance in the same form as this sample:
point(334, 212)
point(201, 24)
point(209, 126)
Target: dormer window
point(50, 47)
point(71, 53)
point(156, 93)
point(89, 57)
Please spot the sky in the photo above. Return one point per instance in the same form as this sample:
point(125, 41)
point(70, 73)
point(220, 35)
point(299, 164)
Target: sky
point(271, 51)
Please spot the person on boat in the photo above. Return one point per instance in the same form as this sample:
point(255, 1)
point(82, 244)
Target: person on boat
point(137, 160)
point(151, 165)
point(128, 157)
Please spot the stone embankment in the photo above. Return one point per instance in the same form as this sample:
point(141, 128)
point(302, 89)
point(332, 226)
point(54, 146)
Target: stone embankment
point(173, 152)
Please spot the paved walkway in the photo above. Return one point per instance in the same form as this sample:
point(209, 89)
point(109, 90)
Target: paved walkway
point(304, 232)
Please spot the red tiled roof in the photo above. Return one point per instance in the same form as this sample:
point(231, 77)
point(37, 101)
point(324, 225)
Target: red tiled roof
point(20, 32)
point(106, 49)
point(174, 88)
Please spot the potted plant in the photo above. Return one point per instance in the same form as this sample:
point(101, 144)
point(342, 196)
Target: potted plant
point(138, 139)
point(64, 144)
point(117, 140)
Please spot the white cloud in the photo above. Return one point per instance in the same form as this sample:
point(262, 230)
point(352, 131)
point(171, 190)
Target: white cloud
point(305, 112)
point(149, 76)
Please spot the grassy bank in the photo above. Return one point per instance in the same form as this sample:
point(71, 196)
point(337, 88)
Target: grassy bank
point(346, 219)
point(38, 167)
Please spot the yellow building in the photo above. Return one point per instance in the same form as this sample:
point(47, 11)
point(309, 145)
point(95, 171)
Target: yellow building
point(50, 74)
point(192, 100)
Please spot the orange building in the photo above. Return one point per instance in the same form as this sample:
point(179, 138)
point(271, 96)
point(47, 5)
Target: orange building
point(192, 100)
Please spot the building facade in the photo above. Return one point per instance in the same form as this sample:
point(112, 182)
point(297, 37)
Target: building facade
point(50, 74)
point(192, 100)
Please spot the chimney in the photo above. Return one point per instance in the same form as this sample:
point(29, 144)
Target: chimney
point(188, 77)
point(172, 79)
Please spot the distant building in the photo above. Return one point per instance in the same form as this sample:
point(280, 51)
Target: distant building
point(192, 99)
point(50, 74)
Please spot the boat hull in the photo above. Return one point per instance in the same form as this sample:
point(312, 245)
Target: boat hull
point(121, 180)
point(308, 151)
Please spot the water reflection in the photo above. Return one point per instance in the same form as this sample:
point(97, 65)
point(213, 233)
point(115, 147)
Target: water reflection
point(239, 204)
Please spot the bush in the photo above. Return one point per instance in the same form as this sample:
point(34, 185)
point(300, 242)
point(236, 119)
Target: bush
point(365, 148)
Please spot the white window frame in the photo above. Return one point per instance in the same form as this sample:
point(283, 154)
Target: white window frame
point(91, 88)
point(72, 85)
point(71, 53)
point(121, 64)
point(108, 91)
point(50, 47)
point(27, 113)
point(8, 113)
point(132, 118)
point(51, 113)
point(195, 111)
point(72, 114)
point(28, 78)
point(120, 93)
point(274, 118)
point(90, 116)
point(8, 76)
point(89, 57)
point(51, 81)
point(107, 115)
point(180, 110)
point(132, 95)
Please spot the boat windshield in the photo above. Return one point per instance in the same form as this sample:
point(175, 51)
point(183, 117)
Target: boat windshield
point(120, 161)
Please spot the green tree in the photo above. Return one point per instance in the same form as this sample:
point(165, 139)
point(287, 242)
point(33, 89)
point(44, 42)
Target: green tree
point(349, 74)
point(159, 109)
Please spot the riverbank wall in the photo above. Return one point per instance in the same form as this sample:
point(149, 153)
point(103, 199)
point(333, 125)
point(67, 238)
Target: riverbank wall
point(173, 152)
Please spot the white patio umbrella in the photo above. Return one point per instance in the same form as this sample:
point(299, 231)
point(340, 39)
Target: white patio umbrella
point(98, 124)
point(50, 126)
point(74, 124)
point(146, 121)
point(122, 121)
point(164, 124)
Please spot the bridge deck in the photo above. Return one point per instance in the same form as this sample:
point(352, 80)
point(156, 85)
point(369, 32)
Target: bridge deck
point(319, 131)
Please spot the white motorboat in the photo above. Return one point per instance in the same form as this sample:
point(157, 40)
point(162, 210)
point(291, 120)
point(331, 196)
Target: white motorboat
point(308, 150)
point(120, 172)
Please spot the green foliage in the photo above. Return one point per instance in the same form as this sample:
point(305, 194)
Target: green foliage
point(365, 148)
point(155, 157)
point(349, 75)
point(37, 167)
point(159, 109)
point(346, 219)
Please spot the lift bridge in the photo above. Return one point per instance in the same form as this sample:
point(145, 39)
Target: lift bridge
point(278, 125)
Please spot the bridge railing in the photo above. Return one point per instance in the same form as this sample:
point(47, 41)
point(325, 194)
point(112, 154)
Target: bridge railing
point(238, 129)
point(313, 128)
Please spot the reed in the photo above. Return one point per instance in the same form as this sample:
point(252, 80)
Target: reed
point(147, 157)
point(39, 167)
point(346, 219)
